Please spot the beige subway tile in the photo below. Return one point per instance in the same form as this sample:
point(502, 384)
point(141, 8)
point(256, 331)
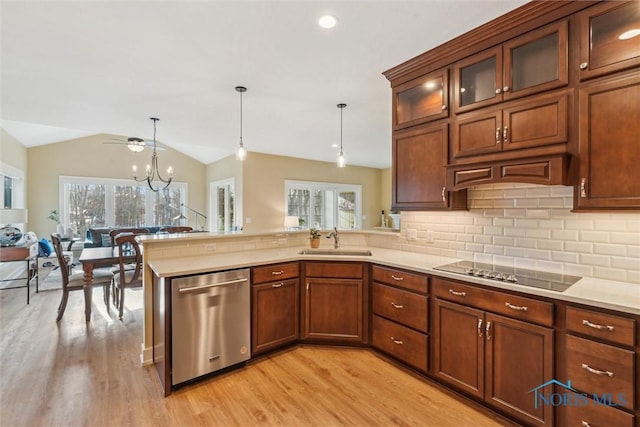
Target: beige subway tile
point(594, 236)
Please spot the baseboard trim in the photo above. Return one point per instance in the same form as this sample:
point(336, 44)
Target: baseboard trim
point(146, 355)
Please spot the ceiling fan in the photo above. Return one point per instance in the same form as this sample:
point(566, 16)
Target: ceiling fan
point(134, 144)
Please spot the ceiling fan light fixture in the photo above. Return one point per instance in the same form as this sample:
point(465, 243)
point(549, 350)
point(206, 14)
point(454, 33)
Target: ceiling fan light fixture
point(152, 172)
point(241, 152)
point(135, 144)
point(341, 161)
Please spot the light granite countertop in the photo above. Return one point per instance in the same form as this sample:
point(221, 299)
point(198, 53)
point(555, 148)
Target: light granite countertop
point(620, 296)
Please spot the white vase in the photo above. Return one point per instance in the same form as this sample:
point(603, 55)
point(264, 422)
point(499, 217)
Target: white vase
point(60, 229)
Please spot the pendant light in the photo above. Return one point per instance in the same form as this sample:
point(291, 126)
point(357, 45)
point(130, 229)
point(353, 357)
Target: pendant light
point(241, 153)
point(341, 160)
point(152, 172)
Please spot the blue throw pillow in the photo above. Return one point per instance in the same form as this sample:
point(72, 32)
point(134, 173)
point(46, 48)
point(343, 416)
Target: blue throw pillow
point(44, 248)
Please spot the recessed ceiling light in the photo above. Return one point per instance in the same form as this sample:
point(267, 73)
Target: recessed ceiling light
point(629, 34)
point(327, 21)
point(334, 145)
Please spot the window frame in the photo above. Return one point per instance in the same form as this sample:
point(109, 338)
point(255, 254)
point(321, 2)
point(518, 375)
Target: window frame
point(237, 207)
point(337, 188)
point(110, 184)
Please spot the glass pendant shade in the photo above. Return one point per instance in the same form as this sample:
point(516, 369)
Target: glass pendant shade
point(341, 161)
point(241, 152)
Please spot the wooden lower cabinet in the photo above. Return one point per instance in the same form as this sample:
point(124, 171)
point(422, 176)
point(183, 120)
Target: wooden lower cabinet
point(275, 317)
point(334, 298)
point(403, 343)
point(494, 358)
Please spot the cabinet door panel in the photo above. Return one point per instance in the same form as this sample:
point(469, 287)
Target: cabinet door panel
point(419, 175)
point(477, 133)
point(519, 359)
point(602, 50)
point(536, 123)
point(275, 314)
point(536, 62)
point(333, 309)
point(609, 147)
point(458, 352)
point(478, 80)
point(420, 100)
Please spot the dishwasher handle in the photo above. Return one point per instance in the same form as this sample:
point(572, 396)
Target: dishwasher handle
point(212, 285)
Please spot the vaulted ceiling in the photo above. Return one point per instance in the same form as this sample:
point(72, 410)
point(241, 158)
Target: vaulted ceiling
point(78, 68)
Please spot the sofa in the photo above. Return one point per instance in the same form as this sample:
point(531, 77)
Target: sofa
point(99, 237)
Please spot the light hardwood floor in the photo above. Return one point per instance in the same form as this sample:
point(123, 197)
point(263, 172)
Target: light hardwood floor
point(74, 373)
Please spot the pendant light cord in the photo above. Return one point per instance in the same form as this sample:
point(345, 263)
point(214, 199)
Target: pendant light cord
point(240, 116)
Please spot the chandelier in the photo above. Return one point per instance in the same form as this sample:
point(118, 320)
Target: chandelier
point(152, 172)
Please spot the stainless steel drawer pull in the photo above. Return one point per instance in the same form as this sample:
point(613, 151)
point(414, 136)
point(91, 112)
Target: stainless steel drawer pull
point(277, 273)
point(399, 279)
point(596, 326)
point(395, 341)
point(516, 307)
point(458, 294)
point(277, 285)
point(585, 424)
point(596, 371)
point(398, 306)
point(212, 285)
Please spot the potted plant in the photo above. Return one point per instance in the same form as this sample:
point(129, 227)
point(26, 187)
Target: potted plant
point(314, 237)
point(55, 217)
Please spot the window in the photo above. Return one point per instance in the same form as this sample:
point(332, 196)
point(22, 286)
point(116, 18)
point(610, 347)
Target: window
point(324, 205)
point(223, 200)
point(12, 195)
point(95, 202)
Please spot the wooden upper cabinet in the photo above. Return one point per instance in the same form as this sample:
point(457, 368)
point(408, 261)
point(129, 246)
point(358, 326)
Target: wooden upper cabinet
point(419, 174)
point(606, 39)
point(421, 100)
point(609, 145)
point(534, 62)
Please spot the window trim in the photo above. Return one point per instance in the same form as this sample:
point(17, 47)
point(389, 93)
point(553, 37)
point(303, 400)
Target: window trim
point(213, 209)
point(324, 186)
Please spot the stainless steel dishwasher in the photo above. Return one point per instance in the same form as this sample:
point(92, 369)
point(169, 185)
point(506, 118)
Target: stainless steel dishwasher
point(210, 323)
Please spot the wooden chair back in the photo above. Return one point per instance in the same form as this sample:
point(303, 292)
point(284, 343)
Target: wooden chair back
point(113, 233)
point(177, 229)
point(129, 260)
point(62, 261)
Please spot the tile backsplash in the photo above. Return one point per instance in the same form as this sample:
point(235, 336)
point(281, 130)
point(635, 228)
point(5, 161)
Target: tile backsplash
point(527, 226)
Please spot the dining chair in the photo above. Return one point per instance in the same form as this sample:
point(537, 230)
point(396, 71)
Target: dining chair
point(129, 274)
point(75, 281)
point(176, 229)
point(113, 233)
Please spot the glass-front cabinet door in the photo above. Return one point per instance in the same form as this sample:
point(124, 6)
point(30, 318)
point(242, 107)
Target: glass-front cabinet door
point(525, 65)
point(478, 80)
point(421, 100)
point(536, 62)
point(609, 38)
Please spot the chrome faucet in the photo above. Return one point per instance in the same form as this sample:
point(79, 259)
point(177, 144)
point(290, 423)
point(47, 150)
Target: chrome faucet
point(336, 238)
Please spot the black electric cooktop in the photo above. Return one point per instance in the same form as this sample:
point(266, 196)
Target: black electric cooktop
point(520, 276)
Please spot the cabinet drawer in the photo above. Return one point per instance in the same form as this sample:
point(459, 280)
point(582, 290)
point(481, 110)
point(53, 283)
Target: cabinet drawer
point(514, 306)
point(600, 368)
point(594, 415)
point(347, 270)
point(402, 343)
point(401, 279)
point(616, 329)
point(270, 273)
point(400, 306)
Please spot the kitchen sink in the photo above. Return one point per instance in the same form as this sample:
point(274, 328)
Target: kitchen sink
point(345, 252)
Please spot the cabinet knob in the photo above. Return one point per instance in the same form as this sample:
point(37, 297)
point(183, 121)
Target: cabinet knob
point(498, 91)
point(444, 107)
point(584, 66)
point(505, 89)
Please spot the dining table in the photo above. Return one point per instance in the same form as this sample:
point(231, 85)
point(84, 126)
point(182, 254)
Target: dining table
point(92, 258)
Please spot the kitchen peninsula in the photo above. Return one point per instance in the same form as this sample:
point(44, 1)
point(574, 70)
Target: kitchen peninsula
point(544, 312)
